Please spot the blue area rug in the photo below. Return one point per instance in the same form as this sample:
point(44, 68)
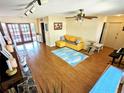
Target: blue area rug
point(71, 56)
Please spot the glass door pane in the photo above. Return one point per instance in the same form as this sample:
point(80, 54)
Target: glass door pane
point(14, 32)
point(26, 32)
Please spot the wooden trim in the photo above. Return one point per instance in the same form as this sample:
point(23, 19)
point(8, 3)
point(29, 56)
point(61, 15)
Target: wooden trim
point(102, 32)
point(22, 38)
point(1, 29)
point(31, 32)
point(9, 32)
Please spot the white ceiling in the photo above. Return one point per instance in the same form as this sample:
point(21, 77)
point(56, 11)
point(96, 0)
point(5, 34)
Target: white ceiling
point(62, 7)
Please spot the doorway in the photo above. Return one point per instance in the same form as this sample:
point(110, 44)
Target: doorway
point(20, 32)
point(43, 32)
point(114, 35)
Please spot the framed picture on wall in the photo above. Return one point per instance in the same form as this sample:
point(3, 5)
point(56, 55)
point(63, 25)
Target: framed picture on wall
point(57, 25)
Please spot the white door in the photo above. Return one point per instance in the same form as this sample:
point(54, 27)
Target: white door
point(120, 37)
point(115, 35)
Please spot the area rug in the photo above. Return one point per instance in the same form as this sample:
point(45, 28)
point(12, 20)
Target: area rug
point(71, 56)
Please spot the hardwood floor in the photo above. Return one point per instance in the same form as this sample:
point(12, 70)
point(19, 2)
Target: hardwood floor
point(51, 72)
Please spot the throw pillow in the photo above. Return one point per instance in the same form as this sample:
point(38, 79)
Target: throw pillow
point(67, 37)
point(73, 39)
point(62, 38)
point(78, 41)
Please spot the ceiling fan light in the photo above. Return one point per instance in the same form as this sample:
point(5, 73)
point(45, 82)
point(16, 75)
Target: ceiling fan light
point(80, 21)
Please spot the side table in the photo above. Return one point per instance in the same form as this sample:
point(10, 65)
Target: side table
point(114, 55)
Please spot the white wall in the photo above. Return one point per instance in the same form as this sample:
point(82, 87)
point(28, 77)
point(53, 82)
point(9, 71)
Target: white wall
point(87, 30)
point(115, 19)
point(16, 19)
point(54, 35)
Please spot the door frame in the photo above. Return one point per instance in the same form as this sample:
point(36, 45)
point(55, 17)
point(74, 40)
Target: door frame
point(103, 32)
point(21, 35)
point(43, 32)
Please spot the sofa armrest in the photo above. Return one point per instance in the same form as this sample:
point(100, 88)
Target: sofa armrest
point(81, 45)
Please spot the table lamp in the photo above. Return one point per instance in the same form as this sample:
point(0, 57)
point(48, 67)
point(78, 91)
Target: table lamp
point(11, 62)
point(10, 48)
point(10, 71)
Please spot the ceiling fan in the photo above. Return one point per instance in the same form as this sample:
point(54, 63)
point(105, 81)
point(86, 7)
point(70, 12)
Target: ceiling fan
point(80, 16)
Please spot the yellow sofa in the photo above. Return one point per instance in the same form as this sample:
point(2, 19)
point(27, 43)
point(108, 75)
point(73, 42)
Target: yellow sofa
point(71, 42)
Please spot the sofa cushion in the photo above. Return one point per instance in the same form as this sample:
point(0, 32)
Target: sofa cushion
point(67, 37)
point(70, 38)
point(73, 39)
point(70, 42)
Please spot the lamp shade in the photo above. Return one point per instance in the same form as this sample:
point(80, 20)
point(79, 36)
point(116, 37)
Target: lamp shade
point(10, 48)
point(13, 62)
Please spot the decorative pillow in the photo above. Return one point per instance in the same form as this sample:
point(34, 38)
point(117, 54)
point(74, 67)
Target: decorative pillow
point(67, 37)
point(73, 39)
point(62, 38)
point(78, 41)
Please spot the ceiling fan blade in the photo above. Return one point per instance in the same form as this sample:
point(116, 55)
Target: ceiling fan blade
point(87, 18)
point(90, 17)
point(39, 2)
point(70, 17)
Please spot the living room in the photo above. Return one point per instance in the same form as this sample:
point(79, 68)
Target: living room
point(70, 49)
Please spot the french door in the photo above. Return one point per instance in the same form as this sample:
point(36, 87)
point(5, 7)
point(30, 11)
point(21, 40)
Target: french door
point(20, 32)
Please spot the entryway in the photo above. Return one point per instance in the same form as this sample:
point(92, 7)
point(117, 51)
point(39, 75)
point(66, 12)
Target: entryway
point(43, 32)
